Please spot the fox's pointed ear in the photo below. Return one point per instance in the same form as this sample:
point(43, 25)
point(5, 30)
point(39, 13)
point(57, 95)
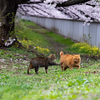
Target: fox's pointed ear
point(49, 56)
point(53, 54)
point(46, 58)
point(79, 54)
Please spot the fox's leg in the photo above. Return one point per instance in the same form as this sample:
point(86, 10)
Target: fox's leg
point(65, 68)
point(71, 67)
point(46, 69)
point(36, 69)
point(28, 70)
point(62, 66)
point(30, 67)
point(78, 66)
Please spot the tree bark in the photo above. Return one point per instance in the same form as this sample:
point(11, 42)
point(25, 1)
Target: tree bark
point(7, 19)
point(71, 2)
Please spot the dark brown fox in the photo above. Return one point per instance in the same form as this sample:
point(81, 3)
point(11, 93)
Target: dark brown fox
point(42, 62)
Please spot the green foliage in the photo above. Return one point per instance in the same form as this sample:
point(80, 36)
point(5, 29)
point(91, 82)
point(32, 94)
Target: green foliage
point(30, 38)
point(26, 43)
point(43, 50)
point(85, 48)
point(60, 39)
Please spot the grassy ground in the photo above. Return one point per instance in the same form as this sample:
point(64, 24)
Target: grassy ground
point(42, 37)
point(16, 84)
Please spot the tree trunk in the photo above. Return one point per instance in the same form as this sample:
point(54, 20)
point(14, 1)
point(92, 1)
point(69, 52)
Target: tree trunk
point(7, 15)
point(8, 10)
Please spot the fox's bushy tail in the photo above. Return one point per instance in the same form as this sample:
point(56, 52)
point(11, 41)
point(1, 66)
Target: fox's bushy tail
point(61, 53)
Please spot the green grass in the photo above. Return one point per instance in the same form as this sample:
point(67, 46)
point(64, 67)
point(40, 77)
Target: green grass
point(26, 30)
point(56, 85)
point(16, 84)
point(27, 33)
point(60, 39)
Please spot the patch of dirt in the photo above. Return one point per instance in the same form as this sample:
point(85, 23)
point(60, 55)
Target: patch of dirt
point(34, 27)
point(55, 47)
point(94, 72)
